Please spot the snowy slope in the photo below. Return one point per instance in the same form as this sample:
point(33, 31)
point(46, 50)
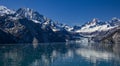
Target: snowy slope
point(56, 26)
point(44, 21)
point(4, 10)
point(60, 26)
point(30, 14)
point(96, 28)
point(96, 25)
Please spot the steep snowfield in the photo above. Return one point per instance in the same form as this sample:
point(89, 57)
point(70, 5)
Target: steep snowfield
point(97, 26)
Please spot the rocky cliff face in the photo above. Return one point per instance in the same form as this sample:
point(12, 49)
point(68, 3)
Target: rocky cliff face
point(6, 38)
point(114, 37)
point(28, 26)
point(26, 31)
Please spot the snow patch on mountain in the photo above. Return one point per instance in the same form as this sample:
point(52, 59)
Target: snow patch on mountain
point(97, 25)
point(30, 14)
point(4, 10)
point(96, 28)
point(36, 21)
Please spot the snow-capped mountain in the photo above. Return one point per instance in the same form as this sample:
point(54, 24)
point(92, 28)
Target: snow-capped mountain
point(97, 26)
point(115, 21)
point(35, 17)
point(4, 10)
point(28, 26)
point(30, 14)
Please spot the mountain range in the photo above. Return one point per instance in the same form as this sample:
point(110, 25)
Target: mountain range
point(26, 25)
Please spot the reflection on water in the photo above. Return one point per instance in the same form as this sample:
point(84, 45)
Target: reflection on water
point(60, 54)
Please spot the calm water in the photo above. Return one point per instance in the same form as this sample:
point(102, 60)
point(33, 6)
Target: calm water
point(60, 54)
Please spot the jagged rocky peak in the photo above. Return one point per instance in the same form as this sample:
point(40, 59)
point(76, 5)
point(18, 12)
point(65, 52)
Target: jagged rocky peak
point(30, 14)
point(94, 21)
point(76, 27)
point(4, 10)
point(96, 26)
point(114, 22)
point(114, 19)
point(25, 10)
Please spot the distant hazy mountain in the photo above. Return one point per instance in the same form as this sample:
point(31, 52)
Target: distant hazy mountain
point(97, 26)
point(96, 30)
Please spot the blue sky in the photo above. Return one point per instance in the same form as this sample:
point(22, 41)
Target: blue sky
point(71, 12)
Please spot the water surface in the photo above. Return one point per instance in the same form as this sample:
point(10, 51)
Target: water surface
point(59, 54)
